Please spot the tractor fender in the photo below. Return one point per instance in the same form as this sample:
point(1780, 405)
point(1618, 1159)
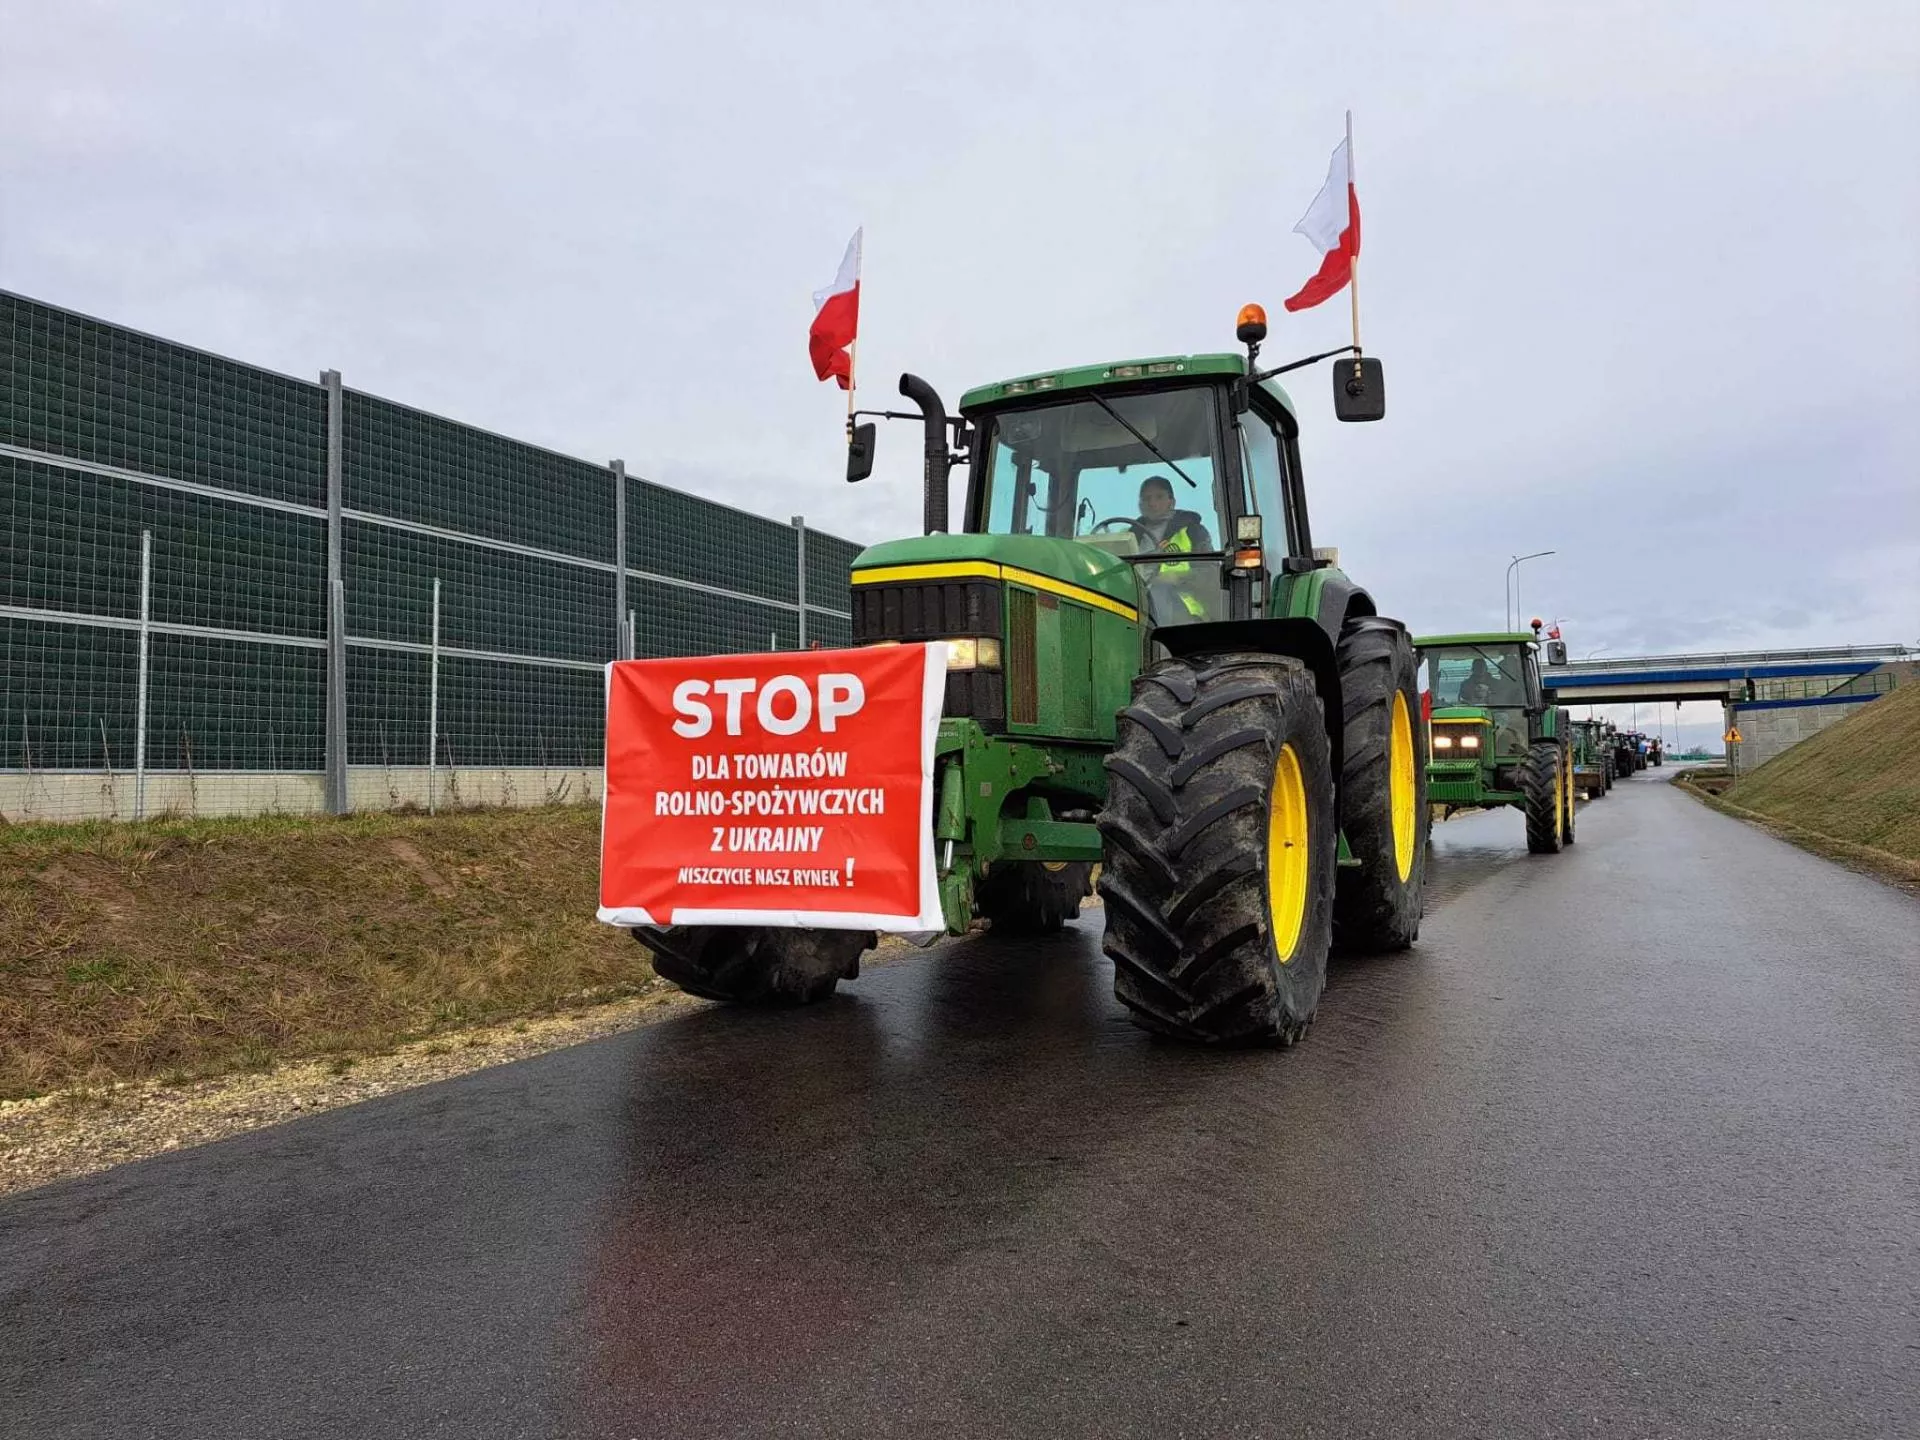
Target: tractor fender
point(1301, 637)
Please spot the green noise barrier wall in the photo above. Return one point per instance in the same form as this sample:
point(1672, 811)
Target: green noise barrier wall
point(212, 654)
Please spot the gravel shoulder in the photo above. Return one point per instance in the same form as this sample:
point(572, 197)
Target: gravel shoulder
point(91, 1128)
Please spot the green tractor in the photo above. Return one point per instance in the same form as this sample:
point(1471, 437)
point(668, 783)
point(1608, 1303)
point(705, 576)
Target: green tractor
point(1151, 670)
point(1592, 758)
point(1494, 738)
point(1628, 757)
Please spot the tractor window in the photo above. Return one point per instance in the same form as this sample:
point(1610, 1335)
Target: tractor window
point(1021, 504)
point(1261, 449)
point(1137, 475)
point(1079, 470)
point(1489, 676)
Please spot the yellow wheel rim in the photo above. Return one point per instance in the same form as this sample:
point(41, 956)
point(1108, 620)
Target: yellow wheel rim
point(1400, 786)
point(1287, 854)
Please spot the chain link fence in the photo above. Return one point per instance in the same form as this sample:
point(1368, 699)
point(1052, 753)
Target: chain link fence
point(227, 591)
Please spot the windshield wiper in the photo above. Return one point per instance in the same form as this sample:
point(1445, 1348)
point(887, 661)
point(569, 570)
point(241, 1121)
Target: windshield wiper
point(1101, 401)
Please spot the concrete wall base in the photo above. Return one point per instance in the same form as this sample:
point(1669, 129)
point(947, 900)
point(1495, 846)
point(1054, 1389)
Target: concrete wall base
point(66, 796)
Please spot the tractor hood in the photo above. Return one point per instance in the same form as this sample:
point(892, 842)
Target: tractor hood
point(935, 557)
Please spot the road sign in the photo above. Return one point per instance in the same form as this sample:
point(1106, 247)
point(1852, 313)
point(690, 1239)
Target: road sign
point(1732, 737)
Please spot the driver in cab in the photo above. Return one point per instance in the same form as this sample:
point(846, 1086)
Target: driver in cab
point(1164, 529)
point(1477, 688)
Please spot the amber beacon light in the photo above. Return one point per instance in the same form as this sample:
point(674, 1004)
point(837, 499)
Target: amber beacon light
point(1251, 326)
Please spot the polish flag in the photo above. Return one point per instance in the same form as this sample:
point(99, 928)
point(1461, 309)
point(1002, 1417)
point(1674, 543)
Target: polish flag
point(1332, 223)
point(836, 319)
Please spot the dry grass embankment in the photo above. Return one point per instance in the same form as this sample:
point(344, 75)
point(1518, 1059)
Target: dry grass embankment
point(1852, 791)
point(177, 949)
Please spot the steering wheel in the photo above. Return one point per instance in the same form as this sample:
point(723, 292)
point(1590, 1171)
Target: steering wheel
point(1139, 532)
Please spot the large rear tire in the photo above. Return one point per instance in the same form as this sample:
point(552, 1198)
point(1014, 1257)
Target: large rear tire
point(756, 964)
point(1541, 783)
point(1383, 790)
point(1220, 849)
point(1032, 897)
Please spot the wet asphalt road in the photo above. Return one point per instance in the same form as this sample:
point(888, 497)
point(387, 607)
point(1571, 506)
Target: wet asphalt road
point(1627, 1147)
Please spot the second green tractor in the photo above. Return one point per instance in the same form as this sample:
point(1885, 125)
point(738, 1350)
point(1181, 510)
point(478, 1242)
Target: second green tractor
point(1495, 740)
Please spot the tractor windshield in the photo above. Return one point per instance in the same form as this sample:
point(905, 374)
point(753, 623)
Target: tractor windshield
point(1135, 474)
point(1492, 676)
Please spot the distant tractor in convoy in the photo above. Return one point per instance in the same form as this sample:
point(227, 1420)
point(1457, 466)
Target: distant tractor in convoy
point(1495, 741)
point(1592, 758)
point(1151, 667)
point(1626, 753)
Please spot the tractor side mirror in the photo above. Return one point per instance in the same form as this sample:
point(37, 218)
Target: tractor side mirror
point(1556, 652)
point(860, 452)
point(1359, 390)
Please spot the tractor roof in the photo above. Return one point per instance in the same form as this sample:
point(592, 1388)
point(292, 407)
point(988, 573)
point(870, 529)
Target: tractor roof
point(1118, 373)
point(1438, 642)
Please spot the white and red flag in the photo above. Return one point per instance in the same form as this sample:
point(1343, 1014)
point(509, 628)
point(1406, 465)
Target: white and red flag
point(836, 320)
point(1332, 223)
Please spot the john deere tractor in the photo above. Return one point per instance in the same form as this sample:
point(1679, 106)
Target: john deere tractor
point(1152, 669)
point(1495, 739)
point(1592, 758)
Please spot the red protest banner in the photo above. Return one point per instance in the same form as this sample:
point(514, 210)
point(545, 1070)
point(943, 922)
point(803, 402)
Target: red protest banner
point(794, 788)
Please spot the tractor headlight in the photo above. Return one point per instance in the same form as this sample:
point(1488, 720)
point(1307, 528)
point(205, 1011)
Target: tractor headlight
point(982, 653)
point(1464, 738)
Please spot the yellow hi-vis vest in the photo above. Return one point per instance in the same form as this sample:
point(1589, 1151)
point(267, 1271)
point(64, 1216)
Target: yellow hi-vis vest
point(1182, 542)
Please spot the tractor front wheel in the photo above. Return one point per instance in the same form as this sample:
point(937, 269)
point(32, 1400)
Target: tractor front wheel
point(1383, 790)
point(1032, 897)
point(1220, 849)
point(756, 964)
point(1545, 790)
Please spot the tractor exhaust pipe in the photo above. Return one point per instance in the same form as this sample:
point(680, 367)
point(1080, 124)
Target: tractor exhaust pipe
point(934, 415)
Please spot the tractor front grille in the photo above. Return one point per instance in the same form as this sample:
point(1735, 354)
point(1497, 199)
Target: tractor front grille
point(925, 610)
point(940, 610)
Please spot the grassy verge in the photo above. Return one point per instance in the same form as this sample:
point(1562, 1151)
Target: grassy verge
point(1857, 782)
point(1852, 792)
point(177, 949)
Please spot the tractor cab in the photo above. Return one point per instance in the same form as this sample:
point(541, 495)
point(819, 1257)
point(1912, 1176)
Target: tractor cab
point(1141, 476)
point(1114, 515)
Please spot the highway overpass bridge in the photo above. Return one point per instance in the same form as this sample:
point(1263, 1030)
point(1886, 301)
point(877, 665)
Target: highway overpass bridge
point(1773, 698)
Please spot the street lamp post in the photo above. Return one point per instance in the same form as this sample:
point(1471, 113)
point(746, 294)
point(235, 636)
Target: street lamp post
point(1513, 586)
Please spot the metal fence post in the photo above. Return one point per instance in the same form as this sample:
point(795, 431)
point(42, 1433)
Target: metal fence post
point(336, 744)
point(433, 703)
point(622, 639)
point(800, 572)
point(140, 682)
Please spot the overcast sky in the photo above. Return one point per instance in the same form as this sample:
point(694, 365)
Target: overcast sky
point(1645, 279)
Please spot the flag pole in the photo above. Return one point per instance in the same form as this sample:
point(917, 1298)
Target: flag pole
point(853, 351)
point(853, 345)
point(1353, 276)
